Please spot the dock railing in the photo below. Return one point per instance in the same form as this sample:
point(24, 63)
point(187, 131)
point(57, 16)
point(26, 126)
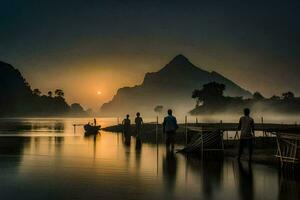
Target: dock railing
point(288, 146)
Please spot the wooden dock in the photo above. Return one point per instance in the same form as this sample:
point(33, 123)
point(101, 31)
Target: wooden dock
point(268, 127)
point(287, 138)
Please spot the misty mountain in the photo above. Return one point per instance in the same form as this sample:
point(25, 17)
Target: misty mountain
point(18, 99)
point(171, 87)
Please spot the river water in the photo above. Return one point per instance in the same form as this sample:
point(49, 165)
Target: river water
point(46, 159)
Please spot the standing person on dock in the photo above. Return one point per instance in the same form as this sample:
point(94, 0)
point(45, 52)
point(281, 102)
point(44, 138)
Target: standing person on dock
point(126, 129)
point(138, 125)
point(169, 128)
point(246, 125)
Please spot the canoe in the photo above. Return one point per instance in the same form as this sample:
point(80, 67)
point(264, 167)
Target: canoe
point(89, 129)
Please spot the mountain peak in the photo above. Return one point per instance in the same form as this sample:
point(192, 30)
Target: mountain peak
point(179, 59)
point(178, 63)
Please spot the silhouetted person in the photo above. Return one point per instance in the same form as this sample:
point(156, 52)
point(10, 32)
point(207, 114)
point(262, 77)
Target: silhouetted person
point(126, 129)
point(169, 128)
point(95, 122)
point(138, 125)
point(246, 125)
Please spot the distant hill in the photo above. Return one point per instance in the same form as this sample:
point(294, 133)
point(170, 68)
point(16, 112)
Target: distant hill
point(17, 98)
point(170, 87)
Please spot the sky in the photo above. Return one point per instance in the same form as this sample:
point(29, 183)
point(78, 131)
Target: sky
point(91, 46)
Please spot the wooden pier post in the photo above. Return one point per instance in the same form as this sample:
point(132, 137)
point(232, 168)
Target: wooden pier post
point(262, 126)
point(156, 133)
point(185, 130)
point(227, 136)
point(236, 135)
point(156, 130)
point(74, 128)
point(202, 145)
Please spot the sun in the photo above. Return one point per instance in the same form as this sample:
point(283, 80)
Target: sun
point(99, 92)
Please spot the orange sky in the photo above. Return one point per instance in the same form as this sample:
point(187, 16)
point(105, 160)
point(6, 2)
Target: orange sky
point(81, 80)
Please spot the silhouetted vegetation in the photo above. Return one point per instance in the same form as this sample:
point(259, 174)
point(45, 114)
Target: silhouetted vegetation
point(211, 93)
point(158, 109)
point(17, 98)
point(211, 99)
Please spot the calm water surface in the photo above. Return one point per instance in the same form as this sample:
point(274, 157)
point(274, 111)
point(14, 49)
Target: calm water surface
point(45, 159)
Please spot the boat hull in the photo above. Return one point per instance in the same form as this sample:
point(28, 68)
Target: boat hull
point(89, 129)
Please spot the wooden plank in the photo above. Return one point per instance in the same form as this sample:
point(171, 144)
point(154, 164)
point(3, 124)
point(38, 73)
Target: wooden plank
point(270, 128)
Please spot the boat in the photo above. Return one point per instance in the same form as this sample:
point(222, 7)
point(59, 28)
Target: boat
point(89, 129)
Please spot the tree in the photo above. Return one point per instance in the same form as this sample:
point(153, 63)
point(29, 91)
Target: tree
point(196, 93)
point(258, 96)
point(288, 95)
point(211, 92)
point(59, 93)
point(50, 94)
point(275, 98)
point(158, 109)
point(37, 92)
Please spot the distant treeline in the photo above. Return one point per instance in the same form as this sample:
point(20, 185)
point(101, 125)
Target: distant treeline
point(210, 99)
point(18, 99)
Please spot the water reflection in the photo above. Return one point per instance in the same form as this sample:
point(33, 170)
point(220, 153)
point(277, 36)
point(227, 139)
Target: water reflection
point(59, 144)
point(289, 183)
point(94, 138)
point(10, 149)
point(170, 170)
point(59, 126)
point(138, 153)
point(138, 144)
point(33, 125)
point(246, 188)
point(212, 173)
point(72, 165)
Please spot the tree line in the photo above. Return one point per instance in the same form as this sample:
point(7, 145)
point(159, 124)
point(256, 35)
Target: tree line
point(18, 99)
point(211, 99)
